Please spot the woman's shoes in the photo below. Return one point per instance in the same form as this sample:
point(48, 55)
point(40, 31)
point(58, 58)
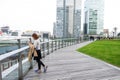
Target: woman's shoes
point(45, 69)
point(38, 71)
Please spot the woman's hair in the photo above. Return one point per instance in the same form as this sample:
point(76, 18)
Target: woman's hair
point(35, 36)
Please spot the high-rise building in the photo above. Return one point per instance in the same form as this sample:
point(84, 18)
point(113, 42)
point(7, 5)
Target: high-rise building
point(68, 19)
point(59, 23)
point(94, 17)
point(77, 26)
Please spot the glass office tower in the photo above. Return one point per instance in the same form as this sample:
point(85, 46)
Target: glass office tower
point(94, 17)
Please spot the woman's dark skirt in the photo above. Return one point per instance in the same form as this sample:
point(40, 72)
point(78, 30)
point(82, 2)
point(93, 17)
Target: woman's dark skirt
point(39, 55)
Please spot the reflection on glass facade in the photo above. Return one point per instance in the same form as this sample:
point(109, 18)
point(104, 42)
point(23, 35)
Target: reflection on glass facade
point(92, 21)
point(94, 17)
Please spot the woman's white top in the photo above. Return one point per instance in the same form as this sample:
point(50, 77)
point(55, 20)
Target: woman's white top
point(37, 44)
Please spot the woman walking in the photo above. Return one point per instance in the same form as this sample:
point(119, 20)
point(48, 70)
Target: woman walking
point(38, 50)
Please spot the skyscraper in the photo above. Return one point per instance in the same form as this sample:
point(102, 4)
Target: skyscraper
point(94, 17)
point(59, 22)
point(77, 25)
point(68, 19)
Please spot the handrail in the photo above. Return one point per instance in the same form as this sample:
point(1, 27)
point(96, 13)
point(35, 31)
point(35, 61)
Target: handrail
point(12, 38)
point(4, 56)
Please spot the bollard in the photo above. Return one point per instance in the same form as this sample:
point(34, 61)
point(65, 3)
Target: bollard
point(20, 62)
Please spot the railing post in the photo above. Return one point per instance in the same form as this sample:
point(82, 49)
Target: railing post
point(52, 46)
point(0, 72)
point(20, 71)
point(48, 48)
point(58, 44)
point(70, 42)
point(78, 40)
point(62, 43)
point(65, 42)
point(43, 50)
point(55, 45)
point(74, 41)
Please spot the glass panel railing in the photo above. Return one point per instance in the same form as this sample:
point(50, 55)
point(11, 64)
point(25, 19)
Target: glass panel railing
point(9, 68)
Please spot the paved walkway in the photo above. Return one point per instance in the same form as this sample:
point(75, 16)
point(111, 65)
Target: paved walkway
point(68, 64)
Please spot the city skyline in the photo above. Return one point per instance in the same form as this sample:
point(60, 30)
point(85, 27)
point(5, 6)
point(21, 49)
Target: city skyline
point(24, 14)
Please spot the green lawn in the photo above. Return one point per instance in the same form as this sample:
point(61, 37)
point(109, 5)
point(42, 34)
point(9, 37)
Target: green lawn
point(106, 50)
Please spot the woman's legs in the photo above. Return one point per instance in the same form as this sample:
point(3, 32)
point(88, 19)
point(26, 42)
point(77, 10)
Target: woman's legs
point(39, 64)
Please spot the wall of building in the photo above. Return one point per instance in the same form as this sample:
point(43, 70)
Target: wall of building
point(94, 16)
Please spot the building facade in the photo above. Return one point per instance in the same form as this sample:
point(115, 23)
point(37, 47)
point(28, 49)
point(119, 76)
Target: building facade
point(59, 23)
point(94, 17)
point(68, 21)
point(77, 26)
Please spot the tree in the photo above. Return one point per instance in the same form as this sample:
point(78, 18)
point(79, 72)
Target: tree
point(118, 34)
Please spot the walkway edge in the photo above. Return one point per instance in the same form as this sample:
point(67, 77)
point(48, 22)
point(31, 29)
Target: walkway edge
point(115, 67)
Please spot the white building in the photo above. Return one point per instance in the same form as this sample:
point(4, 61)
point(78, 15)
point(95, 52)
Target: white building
point(94, 17)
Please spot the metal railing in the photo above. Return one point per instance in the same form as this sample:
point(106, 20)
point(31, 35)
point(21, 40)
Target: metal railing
point(23, 65)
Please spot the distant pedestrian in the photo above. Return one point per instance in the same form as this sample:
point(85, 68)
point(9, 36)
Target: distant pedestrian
point(38, 56)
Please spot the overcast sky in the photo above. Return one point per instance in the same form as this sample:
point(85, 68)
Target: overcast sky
point(112, 14)
point(28, 14)
point(40, 14)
